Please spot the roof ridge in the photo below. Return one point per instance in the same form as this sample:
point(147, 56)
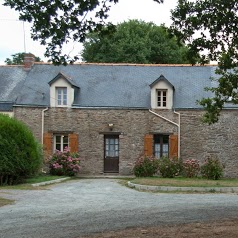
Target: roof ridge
point(131, 64)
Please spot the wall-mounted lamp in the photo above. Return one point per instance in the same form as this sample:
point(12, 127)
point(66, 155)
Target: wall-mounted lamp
point(110, 125)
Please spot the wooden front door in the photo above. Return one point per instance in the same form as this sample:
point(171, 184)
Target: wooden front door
point(111, 154)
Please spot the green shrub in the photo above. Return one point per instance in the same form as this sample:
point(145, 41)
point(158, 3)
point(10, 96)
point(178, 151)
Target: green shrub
point(64, 163)
point(212, 169)
point(145, 166)
point(20, 154)
point(169, 168)
point(191, 168)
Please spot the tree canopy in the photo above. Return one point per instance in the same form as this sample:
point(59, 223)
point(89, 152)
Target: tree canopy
point(18, 59)
point(135, 41)
point(210, 28)
point(56, 22)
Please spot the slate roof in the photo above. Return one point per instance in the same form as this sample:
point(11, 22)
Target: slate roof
point(106, 85)
point(6, 106)
point(11, 82)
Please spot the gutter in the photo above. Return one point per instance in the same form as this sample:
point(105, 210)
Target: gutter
point(178, 125)
point(43, 124)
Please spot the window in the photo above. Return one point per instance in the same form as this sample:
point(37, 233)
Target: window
point(61, 94)
point(112, 147)
point(60, 142)
point(161, 145)
point(162, 98)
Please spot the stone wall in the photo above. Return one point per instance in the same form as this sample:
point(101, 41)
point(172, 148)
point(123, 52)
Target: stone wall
point(199, 140)
point(32, 117)
point(91, 125)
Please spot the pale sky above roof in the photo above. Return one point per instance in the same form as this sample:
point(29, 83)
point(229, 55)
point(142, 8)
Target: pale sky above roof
point(13, 40)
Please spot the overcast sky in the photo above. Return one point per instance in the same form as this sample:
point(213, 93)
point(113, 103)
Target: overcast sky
point(12, 31)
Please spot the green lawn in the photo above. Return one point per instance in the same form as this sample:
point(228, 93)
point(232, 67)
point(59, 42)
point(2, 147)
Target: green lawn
point(186, 182)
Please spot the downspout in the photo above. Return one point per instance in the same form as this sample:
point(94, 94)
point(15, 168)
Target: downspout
point(178, 125)
point(179, 133)
point(43, 124)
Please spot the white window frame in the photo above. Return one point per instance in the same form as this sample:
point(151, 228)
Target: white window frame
point(162, 101)
point(61, 96)
point(62, 142)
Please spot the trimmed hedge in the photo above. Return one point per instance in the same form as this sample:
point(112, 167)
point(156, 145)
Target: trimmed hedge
point(20, 153)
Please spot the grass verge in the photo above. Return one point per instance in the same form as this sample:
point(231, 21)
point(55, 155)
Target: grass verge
point(4, 201)
point(186, 182)
point(42, 178)
point(37, 179)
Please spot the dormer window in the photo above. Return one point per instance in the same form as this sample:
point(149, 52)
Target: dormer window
point(161, 94)
point(61, 93)
point(162, 98)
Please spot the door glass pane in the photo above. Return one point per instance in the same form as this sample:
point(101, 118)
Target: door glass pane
point(111, 147)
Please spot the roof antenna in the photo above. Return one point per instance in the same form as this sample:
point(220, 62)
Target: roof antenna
point(24, 36)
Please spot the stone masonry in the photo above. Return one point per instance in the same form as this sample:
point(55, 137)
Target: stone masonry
point(198, 140)
point(91, 125)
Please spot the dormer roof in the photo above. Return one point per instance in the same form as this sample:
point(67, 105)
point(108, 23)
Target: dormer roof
point(60, 75)
point(161, 78)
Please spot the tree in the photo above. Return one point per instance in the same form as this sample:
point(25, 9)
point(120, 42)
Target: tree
point(18, 59)
point(20, 153)
point(134, 42)
point(56, 22)
point(210, 28)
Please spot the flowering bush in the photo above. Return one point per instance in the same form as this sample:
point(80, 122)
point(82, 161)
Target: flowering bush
point(212, 168)
point(64, 163)
point(145, 166)
point(169, 168)
point(191, 168)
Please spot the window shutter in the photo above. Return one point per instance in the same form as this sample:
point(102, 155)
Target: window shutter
point(148, 145)
point(73, 142)
point(173, 146)
point(47, 143)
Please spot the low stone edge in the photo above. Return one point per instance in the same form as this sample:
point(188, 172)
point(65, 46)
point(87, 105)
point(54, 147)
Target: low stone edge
point(183, 189)
point(50, 182)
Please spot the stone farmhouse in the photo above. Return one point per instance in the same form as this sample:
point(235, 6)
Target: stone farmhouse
point(114, 113)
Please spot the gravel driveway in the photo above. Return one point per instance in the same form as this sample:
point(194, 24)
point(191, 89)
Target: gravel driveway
point(81, 207)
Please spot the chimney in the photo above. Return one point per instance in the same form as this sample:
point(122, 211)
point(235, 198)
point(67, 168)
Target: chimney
point(29, 60)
